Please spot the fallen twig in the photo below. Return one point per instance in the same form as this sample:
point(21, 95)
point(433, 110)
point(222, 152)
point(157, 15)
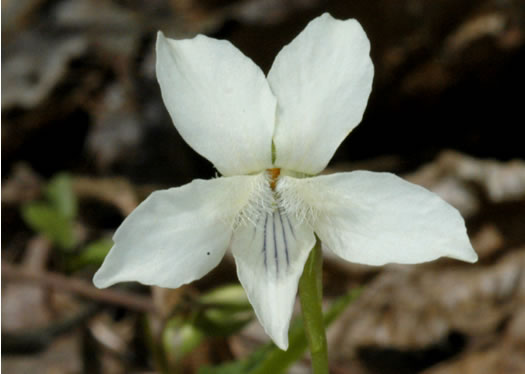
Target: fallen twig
point(80, 287)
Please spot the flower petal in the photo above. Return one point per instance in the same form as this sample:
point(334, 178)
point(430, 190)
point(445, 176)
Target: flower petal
point(270, 256)
point(378, 218)
point(175, 236)
point(219, 100)
point(322, 81)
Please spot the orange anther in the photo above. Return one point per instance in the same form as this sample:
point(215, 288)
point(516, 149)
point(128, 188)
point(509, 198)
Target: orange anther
point(274, 174)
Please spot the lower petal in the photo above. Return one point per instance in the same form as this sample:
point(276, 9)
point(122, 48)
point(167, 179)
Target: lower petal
point(175, 236)
point(270, 254)
point(378, 218)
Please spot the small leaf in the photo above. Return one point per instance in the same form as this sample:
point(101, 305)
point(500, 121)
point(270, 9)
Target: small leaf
point(180, 338)
point(224, 321)
point(60, 194)
point(231, 295)
point(225, 310)
point(47, 220)
point(93, 254)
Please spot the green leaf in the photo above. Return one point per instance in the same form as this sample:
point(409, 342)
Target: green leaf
point(219, 321)
point(219, 312)
point(93, 254)
point(224, 310)
point(47, 220)
point(229, 295)
point(180, 338)
point(60, 194)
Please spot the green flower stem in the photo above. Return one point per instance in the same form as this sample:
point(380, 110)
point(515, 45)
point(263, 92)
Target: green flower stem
point(311, 296)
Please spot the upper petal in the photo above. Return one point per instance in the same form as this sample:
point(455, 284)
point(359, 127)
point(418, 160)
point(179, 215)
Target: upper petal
point(175, 236)
point(322, 81)
point(378, 218)
point(270, 254)
point(219, 100)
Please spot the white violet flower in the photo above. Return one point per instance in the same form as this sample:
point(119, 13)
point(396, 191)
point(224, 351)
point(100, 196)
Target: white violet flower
point(268, 137)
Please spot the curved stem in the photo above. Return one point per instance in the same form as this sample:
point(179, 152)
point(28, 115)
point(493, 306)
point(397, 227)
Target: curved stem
point(311, 296)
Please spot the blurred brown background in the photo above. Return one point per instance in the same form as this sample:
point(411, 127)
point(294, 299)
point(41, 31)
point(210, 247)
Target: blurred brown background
point(79, 96)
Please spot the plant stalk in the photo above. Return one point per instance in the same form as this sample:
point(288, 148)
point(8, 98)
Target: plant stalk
point(311, 296)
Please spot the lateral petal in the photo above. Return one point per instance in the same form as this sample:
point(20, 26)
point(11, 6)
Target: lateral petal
point(270, 255)
point(176, 236)
point(219, 101)
point(322, 81)
point(378, 218)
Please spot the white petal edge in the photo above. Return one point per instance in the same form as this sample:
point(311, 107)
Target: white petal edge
point(270, 258)
point(176, 236)
point(379, 218)
point(322, 81)
point(219, 101)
